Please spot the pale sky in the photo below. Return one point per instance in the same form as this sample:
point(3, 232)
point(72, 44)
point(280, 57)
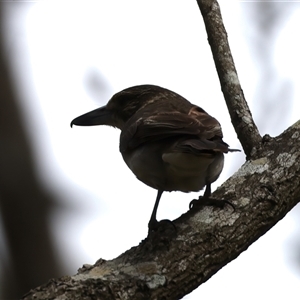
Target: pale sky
point(72, 57)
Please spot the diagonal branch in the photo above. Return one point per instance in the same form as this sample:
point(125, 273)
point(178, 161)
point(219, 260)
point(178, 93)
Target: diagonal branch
point(240, 114)
point(168, 265)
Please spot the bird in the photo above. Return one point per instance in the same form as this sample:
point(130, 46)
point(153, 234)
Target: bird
point(169, 143)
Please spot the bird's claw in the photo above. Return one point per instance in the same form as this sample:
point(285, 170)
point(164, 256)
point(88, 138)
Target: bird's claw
point(154, 225)
point(202, 201)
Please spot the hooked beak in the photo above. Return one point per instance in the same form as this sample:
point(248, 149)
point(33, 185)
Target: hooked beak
point(99, 116)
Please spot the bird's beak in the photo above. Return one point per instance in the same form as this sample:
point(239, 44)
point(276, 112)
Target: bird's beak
point(99, 116)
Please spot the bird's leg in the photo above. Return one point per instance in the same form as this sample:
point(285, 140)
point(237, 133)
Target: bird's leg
point(207, 191)
point(206, 200)
point(153, 223)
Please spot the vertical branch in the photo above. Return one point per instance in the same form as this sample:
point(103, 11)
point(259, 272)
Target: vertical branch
point(240, 114)
point(25, 204)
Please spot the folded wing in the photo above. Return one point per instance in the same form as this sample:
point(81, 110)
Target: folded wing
point(196, 132)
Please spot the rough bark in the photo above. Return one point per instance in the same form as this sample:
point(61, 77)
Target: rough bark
point(169, 265)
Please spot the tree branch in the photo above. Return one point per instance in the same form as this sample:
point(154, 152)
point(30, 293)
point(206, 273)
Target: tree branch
point(168, 265)
point(240, 114)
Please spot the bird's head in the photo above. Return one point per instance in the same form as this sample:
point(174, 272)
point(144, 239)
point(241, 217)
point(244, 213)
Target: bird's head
point(121, 107)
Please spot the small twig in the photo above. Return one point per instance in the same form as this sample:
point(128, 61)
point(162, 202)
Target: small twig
point(239, 111)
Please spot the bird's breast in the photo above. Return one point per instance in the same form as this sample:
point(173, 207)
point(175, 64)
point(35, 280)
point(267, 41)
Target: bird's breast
point(147, 165)
point(173, 171)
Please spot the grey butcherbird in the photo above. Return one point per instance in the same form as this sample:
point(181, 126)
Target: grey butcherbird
point(167, 142)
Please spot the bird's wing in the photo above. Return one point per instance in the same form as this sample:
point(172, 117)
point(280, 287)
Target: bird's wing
point(194, 131)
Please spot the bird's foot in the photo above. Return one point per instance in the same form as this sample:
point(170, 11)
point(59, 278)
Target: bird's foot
point(155, 226)
point(204, 201)
point(160, 235)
